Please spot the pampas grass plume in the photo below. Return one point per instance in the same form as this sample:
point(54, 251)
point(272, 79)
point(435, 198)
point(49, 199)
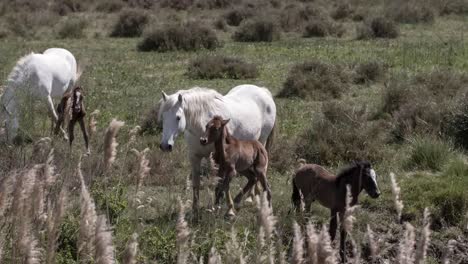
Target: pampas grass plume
point(110, 144)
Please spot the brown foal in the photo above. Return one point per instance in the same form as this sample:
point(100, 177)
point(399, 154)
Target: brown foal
point(71, 110)
point(232, 155)
point(313, 182)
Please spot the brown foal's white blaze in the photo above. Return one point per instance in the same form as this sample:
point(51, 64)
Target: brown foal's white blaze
point(375, 192)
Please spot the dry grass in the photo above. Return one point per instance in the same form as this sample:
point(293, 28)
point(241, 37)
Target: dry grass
point(213, 67)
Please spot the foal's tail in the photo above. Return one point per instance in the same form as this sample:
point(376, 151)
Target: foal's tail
point(269, 142)
point(296, 196)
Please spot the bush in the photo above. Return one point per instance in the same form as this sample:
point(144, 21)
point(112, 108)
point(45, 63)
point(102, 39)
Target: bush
point(315, 80)
point(442, 82)
point(410, 12)
point(459, 7)
point(378, 27)
point(322, 28)
point(28, 25)
point(212, 4)
point(72, 28)
point(257, 30)
point(455, 124)
point(342, 11)
point(235, 16)
point(428, 154)
point(294, 17)
point(109, 6)
point(130, 24)
point(370, 71)
point(187, 37)
point(221, 67)
point(220, 24)
point(64, 7)
point(145, 4)
point(177, 4)
point(343, 134)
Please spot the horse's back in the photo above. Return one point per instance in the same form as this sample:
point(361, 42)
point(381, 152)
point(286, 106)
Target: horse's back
point(314, 180)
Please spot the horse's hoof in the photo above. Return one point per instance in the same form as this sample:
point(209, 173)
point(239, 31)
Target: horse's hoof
point(87, 153)
point(230, 214)
point(248, 200)
point(237, 206)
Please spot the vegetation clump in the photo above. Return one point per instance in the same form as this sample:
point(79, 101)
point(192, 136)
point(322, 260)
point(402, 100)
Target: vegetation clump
point(378, 27)
point(72, 28)
point(131, 23)
point(257, 30)
point(235, 16)
point(316, 80)
point(213, 67)
point(322, 27)
point(370, 71)
point(188, 37)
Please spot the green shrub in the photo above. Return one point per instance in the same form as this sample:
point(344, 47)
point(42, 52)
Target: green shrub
point(235, 16)
point(257, 30)
point(455, 124)
point(130, 23)
point(321, 27)
point(411, 12)
point(109, 6)
point(72, 28)
point(378, 27)
point(370, 71)
point(428, 154)
point(316, 80)
point(189, 37)
point(221, 67)
point(343, 134)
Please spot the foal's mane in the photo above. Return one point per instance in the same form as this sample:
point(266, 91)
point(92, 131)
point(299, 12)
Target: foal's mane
point(348, 171)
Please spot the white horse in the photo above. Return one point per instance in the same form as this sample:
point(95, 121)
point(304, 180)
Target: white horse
point(42, 76)
point(251, 110)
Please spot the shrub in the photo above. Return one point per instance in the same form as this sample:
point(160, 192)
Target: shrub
point(442, 82)
point(72, 28)
point(257, 30)
point(342, 11)
point(27, 25)
point(410, 12)
point(322, 28)
point(109, 6)
point(315, 80)
point(379, 27)
point(220, 24)
point(455, 124)
point(343, 134)
point(370, 71)
point(130, 24)
point(235, 16)
point(221, 67)
point(63, 7)
point(428, 154)
point(294, 17)
point(177, 4)
point(187, 37)
point(212, 4)
point(149, 122)
point(145, 4)
point(454, 7)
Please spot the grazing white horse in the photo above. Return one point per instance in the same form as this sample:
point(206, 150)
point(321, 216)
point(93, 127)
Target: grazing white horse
point(251, 110)
point(42, 76)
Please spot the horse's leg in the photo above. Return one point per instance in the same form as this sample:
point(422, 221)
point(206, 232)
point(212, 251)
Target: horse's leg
point(250, 183)
point(333, 224)
point(226, 181)
point(71, 132)
point(85, 134)
point(343, 235)
point(261, 176)
point(53, 115)
point(219, 187)
point(195, 161)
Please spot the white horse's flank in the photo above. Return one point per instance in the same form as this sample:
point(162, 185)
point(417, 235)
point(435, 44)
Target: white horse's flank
point(251, 110)
point(42, 76)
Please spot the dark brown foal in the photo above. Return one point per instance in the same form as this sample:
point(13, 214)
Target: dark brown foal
point(70, 110)
point(313, 182)
point(232, 155)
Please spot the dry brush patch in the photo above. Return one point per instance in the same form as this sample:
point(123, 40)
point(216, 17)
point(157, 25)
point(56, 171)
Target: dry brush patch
point(257, 30)
point(213, 67)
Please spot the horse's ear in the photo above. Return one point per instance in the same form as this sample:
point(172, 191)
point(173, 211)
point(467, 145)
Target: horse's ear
point(224, 122)
point(164, 96)
point(180, 98)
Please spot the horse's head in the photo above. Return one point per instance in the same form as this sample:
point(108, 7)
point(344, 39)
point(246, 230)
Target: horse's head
point(369, 179)
point(213, 130)
point(171, 114)
point(77, 99)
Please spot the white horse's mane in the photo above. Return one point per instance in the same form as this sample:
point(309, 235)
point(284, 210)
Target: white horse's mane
point(196, 101)
point(18, 73)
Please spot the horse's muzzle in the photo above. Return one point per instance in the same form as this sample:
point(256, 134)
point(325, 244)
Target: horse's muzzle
point(375, 194)
point(203, 141)
point(165, 147)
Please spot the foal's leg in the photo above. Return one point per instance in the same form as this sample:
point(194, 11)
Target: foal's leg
point(85, 134)
point(250, 183)
point(227, 180)
point(343, 235)
point(333, 224)
point(53, 115)
point(71, 132)
point(261, 176)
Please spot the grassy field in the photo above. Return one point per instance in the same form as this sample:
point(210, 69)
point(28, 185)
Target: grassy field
point(123, 83)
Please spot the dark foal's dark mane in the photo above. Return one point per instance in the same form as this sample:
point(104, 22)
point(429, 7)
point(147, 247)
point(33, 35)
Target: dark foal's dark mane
point(348, 171)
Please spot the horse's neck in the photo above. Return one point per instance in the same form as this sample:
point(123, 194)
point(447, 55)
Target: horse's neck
point(354, 187)
point(219, 145)
point(197, 114)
